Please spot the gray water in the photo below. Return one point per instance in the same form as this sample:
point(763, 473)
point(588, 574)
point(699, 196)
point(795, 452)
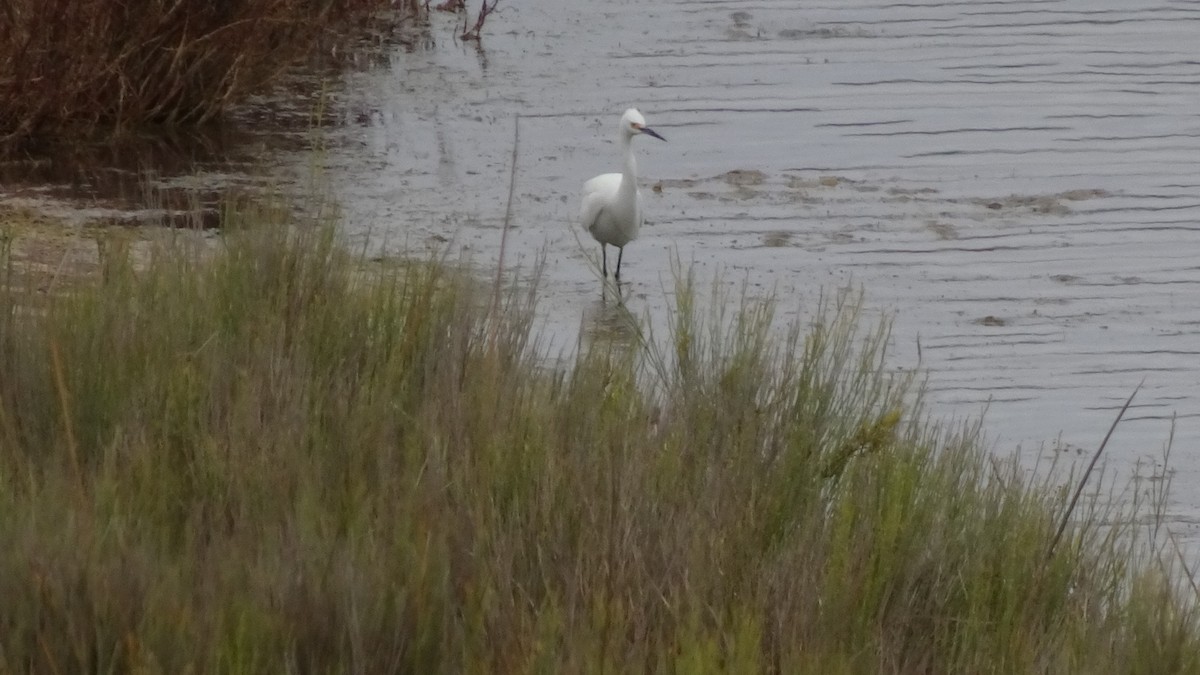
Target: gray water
point(1014, 182)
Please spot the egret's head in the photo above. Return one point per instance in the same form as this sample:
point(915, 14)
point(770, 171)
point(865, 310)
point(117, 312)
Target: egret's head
point(632, 124)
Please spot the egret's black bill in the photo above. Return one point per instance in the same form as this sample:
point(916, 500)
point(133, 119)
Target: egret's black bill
point(648, 130)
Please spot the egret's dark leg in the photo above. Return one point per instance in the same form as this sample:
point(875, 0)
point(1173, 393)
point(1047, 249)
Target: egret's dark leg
point(604, 259)
point(620, 254)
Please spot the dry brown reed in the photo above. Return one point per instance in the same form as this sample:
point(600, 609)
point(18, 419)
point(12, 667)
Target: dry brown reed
point(86, 68)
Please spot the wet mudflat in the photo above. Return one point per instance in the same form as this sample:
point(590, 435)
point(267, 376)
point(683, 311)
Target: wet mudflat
point(1016, 183)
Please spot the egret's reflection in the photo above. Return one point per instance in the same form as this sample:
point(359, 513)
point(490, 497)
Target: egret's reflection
point(608, 321)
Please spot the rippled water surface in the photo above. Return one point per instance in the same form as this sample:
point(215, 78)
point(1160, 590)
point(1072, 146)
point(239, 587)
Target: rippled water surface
point(1016, 181)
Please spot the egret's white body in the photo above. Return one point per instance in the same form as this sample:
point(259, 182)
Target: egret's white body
point(612, 208)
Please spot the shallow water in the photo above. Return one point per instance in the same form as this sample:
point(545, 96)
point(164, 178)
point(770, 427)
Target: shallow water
point(1015, 181)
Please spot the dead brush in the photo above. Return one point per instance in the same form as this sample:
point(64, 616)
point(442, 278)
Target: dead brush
point(475, 31)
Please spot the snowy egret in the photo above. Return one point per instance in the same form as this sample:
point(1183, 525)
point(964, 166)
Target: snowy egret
point(612, 209)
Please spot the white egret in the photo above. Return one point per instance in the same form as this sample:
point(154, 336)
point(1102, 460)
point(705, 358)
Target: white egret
point(612, 209)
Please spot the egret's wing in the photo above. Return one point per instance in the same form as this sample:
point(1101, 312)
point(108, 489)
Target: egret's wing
point(597, 192)
point(589, 213)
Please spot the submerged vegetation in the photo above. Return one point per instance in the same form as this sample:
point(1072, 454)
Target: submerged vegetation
point(280, 458)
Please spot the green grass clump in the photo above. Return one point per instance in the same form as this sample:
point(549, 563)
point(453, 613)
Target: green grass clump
point(281, 458)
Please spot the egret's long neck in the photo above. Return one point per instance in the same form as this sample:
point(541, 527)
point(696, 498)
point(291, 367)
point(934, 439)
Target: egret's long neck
point(629, 175)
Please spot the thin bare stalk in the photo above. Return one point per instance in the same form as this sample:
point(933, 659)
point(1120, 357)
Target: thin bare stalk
point(64, 399)
point(1189, 573)
point(1066, 517)
point(512, 186)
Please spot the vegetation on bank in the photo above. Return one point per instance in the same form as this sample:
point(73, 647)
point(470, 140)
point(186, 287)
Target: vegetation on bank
point(280, 458)
point(99, 68)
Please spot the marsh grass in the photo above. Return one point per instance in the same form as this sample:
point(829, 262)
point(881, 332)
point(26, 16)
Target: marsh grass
point(99, 69)
point(281, 458)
